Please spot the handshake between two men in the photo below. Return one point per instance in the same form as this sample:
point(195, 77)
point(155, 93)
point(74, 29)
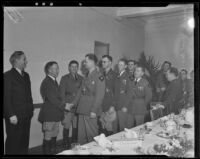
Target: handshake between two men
point(69, 106)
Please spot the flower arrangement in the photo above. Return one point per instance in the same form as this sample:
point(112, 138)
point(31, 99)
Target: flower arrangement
point(175, 147)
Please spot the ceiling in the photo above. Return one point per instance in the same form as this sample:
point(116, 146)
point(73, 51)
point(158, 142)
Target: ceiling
point(142, 15)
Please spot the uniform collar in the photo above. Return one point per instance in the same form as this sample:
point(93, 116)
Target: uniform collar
point(109, 71)
point(93, 72)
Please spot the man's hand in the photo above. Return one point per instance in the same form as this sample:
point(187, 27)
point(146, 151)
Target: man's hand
point(124, 109)
point(69, 106)
point(163, 89)
point(93, 115)
point(111, 109)
point(13, 120)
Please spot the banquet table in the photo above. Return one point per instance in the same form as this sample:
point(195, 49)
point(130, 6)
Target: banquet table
point(149, 140)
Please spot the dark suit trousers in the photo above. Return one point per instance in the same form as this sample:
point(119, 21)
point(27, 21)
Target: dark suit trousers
point(17, 141)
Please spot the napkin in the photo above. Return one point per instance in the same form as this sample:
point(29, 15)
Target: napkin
point(103, 141)
point(107, 118)
point(130, 133)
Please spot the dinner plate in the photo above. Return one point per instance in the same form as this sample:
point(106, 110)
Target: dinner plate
point(164, 135)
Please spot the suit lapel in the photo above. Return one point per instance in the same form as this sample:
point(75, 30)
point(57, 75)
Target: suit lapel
point(18, 77)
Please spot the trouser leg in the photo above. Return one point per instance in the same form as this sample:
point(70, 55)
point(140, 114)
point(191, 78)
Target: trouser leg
point(139, 119)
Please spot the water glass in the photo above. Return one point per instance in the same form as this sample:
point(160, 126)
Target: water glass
point(75, 147)
point(141, 134)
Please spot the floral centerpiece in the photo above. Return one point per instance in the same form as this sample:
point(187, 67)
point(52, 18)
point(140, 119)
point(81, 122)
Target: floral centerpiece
point(175, 147)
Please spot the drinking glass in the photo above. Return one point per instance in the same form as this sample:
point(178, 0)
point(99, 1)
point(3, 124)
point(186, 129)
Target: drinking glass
point(75, 147)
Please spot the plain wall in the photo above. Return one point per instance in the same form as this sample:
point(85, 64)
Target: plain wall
point(63, 34)
point(167, 39)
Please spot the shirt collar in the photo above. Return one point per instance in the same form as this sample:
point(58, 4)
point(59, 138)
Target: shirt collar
point(121, 72)
point(138, 79)
point(18, 70)
point(53, 78)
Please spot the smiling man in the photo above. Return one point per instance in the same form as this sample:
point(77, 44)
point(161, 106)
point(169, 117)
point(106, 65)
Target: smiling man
point(18, 105)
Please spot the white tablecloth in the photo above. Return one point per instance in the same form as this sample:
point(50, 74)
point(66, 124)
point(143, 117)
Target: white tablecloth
point(149, 140)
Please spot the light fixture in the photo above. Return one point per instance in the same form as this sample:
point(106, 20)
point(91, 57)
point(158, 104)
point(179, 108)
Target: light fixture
point(190, 23)
point(13, 14)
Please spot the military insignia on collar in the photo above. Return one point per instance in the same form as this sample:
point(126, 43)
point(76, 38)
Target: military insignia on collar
point(101, 78)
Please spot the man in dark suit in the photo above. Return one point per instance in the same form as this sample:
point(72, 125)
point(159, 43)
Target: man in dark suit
point(69, 85)
point(52, 111)
point(161, 81)
point(173, 96)
point(18, 105)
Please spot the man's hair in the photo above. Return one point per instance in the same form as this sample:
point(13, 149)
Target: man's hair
point(92, 57)
point(184, 70)
point(108, 57)
point(73, 62)
point(48, 65)
point(142, 67)
point(14, 56)
point(169, 63)
point(123, 60)
point(174, 71)
point(132, 61)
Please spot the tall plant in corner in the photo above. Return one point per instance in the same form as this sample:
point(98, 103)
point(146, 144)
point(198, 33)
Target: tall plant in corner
point(151, 66)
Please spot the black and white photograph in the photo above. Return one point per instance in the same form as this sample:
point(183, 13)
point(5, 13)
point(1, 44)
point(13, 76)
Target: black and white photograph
point(99, 80)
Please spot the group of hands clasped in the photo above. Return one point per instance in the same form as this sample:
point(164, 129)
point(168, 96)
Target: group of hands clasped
point(69, 106)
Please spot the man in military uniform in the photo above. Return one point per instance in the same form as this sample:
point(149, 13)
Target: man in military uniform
point(173, 96)
point(69, 85)
point(161, 81)
point(139, 97)
point(131, 67)
point(52, 111)
point(89, 100)
point(122, 84)
point(110, 77)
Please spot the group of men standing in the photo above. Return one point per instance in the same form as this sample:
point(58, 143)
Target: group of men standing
point(101, 102)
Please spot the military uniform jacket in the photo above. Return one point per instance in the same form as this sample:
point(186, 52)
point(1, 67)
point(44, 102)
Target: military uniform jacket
point(173, 97)
point(53, 106)
point(110, 78)
point(69, 87)
point(17, 94)
point(90, 96)
point(139, 97)
point(122, 84)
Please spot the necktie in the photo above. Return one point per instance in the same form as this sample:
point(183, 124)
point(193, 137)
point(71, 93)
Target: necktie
point(75, 77)
point(56, 83)
point(22, 73)
point(135, 81)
